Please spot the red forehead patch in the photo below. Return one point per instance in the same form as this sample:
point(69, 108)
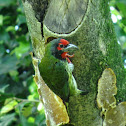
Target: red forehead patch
point(64, 42)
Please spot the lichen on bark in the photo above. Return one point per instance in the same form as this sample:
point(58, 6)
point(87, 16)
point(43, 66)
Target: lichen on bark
point(55, 109)
point(98, 49)
point(56, 113)
point(114, 114)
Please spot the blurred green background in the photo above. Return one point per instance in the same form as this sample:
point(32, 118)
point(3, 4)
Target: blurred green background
point(19, 100)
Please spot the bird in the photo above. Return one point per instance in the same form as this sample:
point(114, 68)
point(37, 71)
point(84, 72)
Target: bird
point(56, 68)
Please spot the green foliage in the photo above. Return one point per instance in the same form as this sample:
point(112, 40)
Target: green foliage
point(19, 100)
point(118, 10)
point(7, 119)
point(19, 104)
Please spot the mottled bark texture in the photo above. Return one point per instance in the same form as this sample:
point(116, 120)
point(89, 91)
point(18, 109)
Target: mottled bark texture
point(87, 24)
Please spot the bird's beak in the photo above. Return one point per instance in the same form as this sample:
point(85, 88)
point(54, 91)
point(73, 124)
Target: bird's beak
point(70, 48)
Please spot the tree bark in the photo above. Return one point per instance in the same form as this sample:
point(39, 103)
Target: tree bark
point(87, 24)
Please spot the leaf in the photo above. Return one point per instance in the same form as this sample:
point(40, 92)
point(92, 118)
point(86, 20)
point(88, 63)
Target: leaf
point(122, 1)
point(2, 50)
point(1, 20)
point(23, 48)
point(31, 120)
point(4, 36)
point(21, 105)
point(123, 21)
point(7, 119)
point(12, 44)
point(6, 2)
point(22, 117)
point(122, 8)
point(8, 64)
point(23, 120)
point(2, 90)
point(10, 29)
point(9, 106)
point(40, 119)
point(14, 74)
point(3, 94)
point(27, 111)
point(21, 19)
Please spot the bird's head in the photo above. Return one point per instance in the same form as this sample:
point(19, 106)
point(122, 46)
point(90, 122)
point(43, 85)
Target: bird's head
point(62, 49)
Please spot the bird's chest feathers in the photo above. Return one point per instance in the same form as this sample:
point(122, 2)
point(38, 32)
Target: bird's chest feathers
point(56, 65)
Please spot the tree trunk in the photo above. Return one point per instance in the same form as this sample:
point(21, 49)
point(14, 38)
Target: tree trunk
point(87, 24)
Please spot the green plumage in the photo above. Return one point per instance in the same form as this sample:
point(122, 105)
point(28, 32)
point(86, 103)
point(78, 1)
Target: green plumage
point(56, 72)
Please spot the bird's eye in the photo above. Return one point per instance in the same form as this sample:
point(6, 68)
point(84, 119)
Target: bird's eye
point(61, 46)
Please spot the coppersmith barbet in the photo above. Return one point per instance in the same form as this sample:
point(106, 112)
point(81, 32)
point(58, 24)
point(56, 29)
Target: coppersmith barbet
point(56, 68)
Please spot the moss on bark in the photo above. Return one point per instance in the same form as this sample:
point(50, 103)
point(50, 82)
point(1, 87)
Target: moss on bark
point(98, 49)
